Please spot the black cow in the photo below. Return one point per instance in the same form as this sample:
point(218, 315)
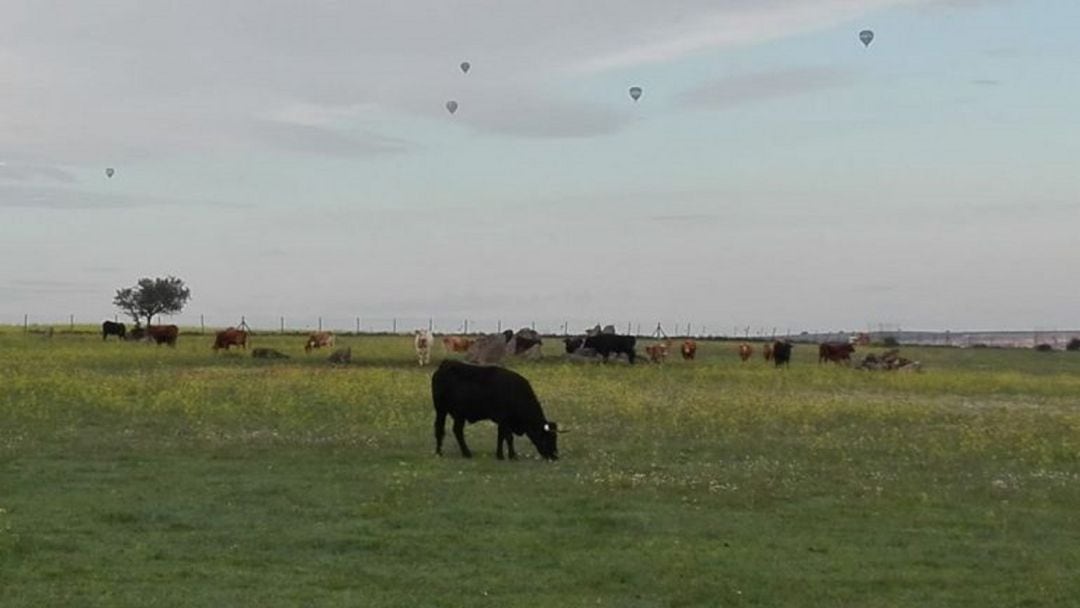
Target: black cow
point(469, 393)
point(573, 344)
point(108, 328)
point(781, 352)
point(606, 344)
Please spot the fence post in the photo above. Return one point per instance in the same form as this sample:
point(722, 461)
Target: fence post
point(499, 327)
point(430, 325)
point(358, 326)
point(26, 323)
point(282, 319)
point(466, 327)
point(71, 322)
point(394, 326)
point(320, 323)
point(202, 325)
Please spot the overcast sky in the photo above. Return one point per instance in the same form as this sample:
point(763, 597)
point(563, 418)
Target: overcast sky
point(296, 158)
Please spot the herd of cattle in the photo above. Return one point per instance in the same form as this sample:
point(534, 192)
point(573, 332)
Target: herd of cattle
point(597, 344)
point(479, 388)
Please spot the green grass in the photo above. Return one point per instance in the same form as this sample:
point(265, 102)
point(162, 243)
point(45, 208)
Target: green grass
point(135, 475)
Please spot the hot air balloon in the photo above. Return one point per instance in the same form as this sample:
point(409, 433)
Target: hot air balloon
point(635, 93)
point(109, 172)
point(465, 65)
point(451, 106)
point(867, 37)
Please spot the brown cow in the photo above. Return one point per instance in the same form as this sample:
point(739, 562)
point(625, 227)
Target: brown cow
point(163, 334)
point(657, 352)
point(688, 350)
point(745, 352)
point(767, 351)
point(837, 352)
point(457, 344)
point(230, 337)
point(318, 339)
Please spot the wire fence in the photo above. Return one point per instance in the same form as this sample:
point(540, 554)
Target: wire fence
point(403, 325)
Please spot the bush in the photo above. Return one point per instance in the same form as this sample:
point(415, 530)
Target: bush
point(890, 342)
point(1073, 345)
point(1044, 348)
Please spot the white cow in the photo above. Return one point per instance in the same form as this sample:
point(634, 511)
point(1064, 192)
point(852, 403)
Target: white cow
point(422, 344)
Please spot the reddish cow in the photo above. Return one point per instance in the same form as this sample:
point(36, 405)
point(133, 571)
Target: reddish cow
point(745, 352)
point(688, 350)
point(657, 352)
point(457, 344)
point(229, 338)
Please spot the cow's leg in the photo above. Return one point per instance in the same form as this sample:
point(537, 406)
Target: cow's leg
point(499, 442)
point(440, 431)
point(510, 445)
point(459, 434)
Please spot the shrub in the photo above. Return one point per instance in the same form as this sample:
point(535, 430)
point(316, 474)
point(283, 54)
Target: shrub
point(1044, 348)
point(1073, 345)
point(890, 342)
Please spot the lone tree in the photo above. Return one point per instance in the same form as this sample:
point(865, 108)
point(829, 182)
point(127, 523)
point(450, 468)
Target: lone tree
point(151, 297)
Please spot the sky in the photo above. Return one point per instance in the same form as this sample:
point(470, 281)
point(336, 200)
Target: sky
point(295, 159)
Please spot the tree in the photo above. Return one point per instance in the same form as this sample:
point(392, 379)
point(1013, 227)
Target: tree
point(151, 297)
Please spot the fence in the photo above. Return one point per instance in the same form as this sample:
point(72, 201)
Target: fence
point(451, 325)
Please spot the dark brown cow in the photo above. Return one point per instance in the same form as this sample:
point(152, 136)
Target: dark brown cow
point(230, 337)
point(781, 352)
point(837, 352)
point(163, 334)
point(108, 328)
point(688, 350)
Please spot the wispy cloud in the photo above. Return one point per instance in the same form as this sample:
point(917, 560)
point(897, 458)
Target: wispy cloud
point(16, 196)
point(763, 86)
point(29, 172)
point(328, 142)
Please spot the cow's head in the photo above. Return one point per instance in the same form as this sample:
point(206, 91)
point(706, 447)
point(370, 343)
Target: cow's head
point(572, 344)
point(546, 440)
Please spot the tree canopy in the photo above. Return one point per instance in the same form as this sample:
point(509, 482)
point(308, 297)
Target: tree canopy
point(151, 297)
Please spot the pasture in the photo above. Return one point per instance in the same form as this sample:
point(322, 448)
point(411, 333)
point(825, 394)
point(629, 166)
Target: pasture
point(135, 475)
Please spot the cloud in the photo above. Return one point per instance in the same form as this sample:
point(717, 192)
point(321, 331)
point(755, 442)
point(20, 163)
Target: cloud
point(13, 196)
point(327, 142)
point(522, 115)
point(686, 218)
point(764, 86)
point(87, 84)
point(17, 172)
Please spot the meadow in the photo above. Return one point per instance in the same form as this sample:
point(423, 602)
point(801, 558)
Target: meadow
point(135, 475)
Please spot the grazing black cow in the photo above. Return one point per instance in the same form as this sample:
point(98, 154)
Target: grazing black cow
point(469, 393)
point(837, 352)
point(108, 328)
point(268, 353)
point(573, 344)
point(605, 344)
point(781, 352)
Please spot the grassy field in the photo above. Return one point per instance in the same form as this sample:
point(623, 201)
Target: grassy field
point(133, 475)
